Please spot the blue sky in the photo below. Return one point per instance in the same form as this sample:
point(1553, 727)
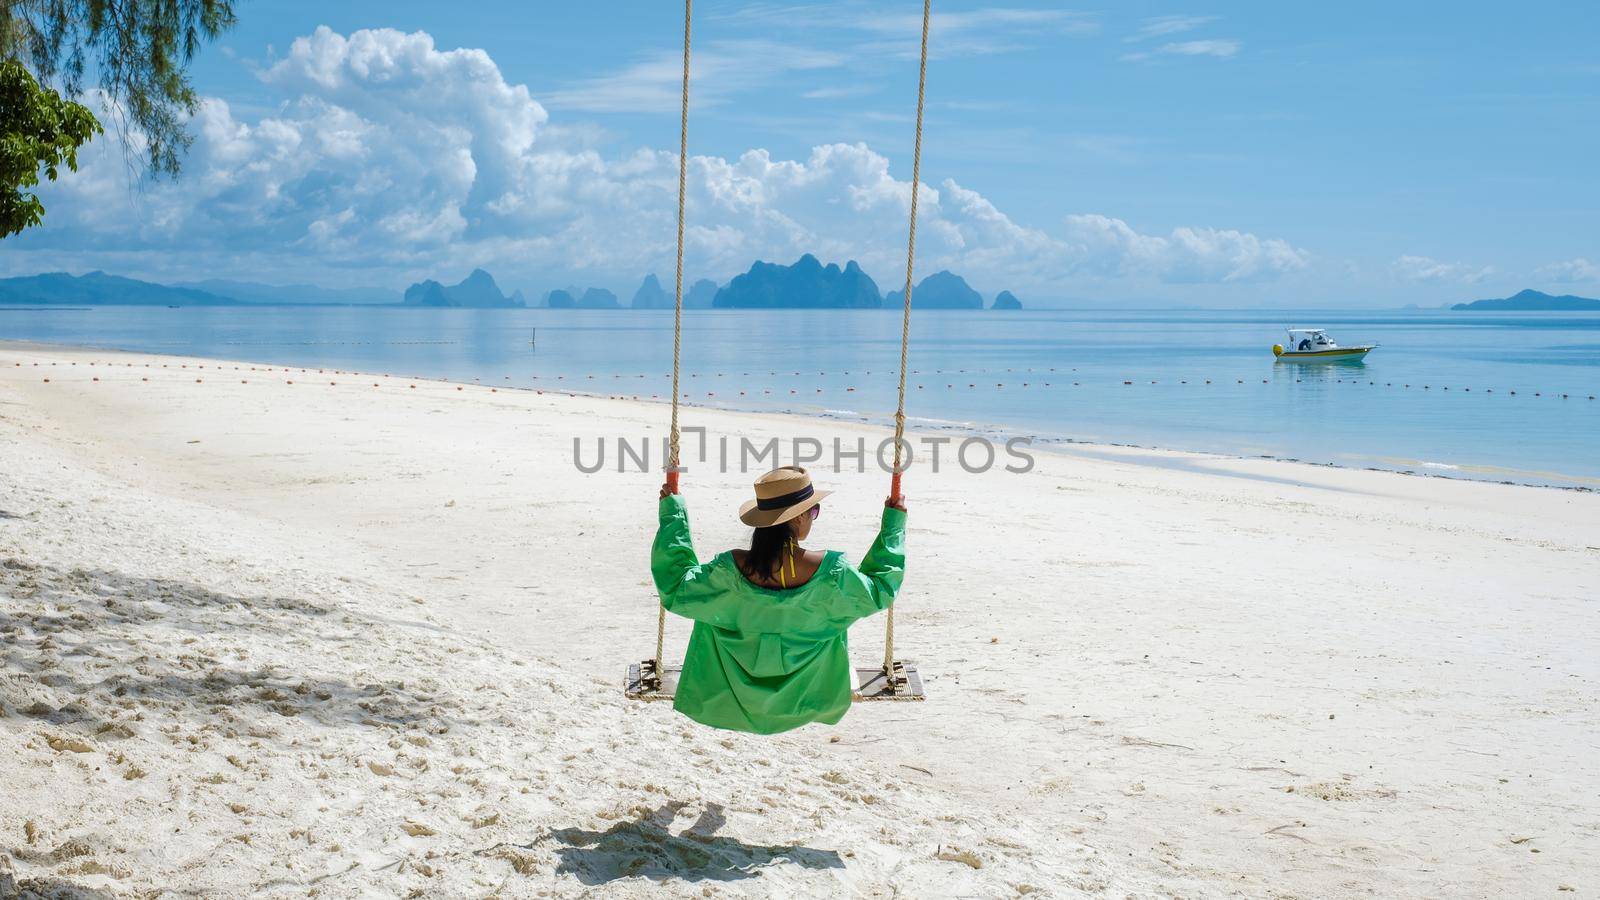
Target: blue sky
point(1227, 155)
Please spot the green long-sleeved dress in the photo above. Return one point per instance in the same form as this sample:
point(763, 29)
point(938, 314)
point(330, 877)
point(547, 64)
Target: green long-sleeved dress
point(763, 660)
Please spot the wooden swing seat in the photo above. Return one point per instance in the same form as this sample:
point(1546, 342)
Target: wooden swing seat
point(870, 683)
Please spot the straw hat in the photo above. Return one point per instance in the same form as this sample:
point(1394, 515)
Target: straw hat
point(781, 495)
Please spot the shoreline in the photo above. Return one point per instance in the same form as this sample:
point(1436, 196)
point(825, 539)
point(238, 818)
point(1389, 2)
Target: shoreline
point(1166, 455)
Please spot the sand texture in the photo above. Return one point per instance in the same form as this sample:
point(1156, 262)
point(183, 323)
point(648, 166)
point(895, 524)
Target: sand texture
point(337, 640)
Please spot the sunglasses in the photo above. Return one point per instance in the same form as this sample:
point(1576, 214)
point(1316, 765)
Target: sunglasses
point(814, 512)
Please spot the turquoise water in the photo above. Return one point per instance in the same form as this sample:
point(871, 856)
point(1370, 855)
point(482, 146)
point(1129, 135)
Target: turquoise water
point(1436, 397)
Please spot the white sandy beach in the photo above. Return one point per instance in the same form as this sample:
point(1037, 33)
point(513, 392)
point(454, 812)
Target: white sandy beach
point(344, 640)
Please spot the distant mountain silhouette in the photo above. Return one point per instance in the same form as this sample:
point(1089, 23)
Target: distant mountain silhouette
point(1003, 300)
point(805, 285)
point(293, 294)
point(426, 293)
point(941, 290)
point(598, 298)
point(651, 295)
point(701, 295)
point(477, 291)
point(1532, 300)
point(571, 297)
point(100, 289)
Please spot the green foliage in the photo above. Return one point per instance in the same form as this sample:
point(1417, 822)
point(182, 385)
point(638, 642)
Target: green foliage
point(137, 52)
point(38, 129)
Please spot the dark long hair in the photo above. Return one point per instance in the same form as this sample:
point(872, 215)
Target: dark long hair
point(766, 550)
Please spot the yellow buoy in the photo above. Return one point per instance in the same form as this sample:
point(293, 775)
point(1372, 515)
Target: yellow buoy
point(1277, 349)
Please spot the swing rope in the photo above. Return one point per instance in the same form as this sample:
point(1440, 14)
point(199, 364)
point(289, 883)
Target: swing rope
point(905, 317)
point(677, 310)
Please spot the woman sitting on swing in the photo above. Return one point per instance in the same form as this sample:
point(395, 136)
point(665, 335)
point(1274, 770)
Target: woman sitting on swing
point(769, 650)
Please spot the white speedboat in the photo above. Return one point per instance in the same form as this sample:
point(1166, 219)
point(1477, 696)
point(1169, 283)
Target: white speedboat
point(1314, 345)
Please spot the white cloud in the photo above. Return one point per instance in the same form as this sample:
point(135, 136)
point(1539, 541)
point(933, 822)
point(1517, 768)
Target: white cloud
point(894, 31)
point(724, 68)
point(898, 19)
point(989, 19)
point(1162, 26)
point(1426, 269)
point(1186, 256)
point(979, 32)
point(389, 156)
point(1572, 271)
point(842, 92)
point(718, 70)
point(1217, 49)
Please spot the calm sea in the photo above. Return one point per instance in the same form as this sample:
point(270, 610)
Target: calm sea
point(1435, 397)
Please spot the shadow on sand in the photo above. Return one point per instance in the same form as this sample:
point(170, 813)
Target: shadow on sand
point(645, 848)
point(54, 889)
point(75, 652)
